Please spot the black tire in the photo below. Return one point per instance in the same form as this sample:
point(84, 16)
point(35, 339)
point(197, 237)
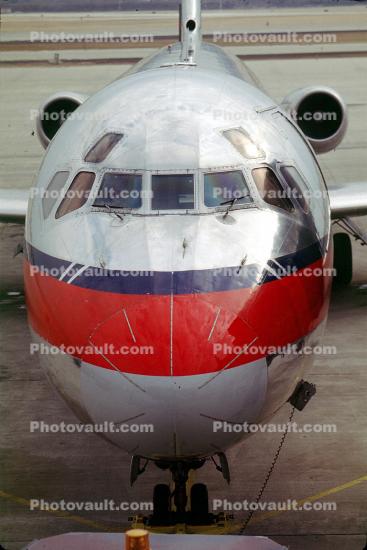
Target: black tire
point(199, 500)
point(343, 259)
point(161, 500)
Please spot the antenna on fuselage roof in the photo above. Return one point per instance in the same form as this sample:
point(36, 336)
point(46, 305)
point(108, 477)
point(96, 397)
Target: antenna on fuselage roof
point(190, 30)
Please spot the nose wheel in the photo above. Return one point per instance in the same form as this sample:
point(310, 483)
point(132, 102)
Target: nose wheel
point(172, 508)
point(199, 499)
point(343, 259)
point(162, 504)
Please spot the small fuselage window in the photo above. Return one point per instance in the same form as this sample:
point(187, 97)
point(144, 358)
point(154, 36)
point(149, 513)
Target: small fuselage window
point(296, 184)
point(270, 189)
point(77, 194)
point(243, 143)
point(119, 190)
point(222, 188)
point(173, 192)
point(53, 192)
point(103, 147)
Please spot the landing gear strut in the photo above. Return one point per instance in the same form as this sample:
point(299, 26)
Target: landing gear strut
point(180, 476)
point(163, 499)
point(171, 508)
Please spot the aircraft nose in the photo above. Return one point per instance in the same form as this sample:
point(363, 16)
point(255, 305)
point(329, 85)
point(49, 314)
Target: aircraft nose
point(190, 324)
point(175, 335)
point(193, 343)
point(207, 336)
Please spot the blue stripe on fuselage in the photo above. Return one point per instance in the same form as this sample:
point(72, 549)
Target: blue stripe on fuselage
point(177, 282)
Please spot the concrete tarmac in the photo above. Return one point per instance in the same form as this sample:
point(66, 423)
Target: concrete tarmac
point(354, 17)
point(324, 467)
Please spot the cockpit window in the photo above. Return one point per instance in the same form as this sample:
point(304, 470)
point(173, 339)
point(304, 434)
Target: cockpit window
point(52, 193)
point(103, 147)
point(222, 188)
point(120, 191)
point(77, 194)
point(296, 183)
point(270, 188)
point(243, 143)
point(173, 192)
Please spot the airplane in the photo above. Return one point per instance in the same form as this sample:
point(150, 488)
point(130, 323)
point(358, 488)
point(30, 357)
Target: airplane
point(181, 214)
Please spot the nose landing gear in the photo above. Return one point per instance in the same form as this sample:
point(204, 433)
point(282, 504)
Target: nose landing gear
point(170, 508)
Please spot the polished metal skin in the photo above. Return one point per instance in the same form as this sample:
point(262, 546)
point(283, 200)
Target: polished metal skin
point(190, 31)
point(208, 276)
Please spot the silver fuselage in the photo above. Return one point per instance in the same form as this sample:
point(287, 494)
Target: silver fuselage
point(172, 115)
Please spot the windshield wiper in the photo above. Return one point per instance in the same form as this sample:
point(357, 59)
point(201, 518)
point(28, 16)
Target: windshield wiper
point(119, 216)
point(231, 203)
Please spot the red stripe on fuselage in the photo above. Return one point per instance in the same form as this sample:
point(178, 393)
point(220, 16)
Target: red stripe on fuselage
point(179, 335)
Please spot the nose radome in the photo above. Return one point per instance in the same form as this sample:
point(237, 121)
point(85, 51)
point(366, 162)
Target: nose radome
point(174, 335)
point(207, 336)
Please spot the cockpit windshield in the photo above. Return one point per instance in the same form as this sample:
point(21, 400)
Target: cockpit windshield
point(103, 147)
point(173, 192)
point(270, 188)
point(295, 181)
point(53, 191)
point(222, 188)
point(77, 194)
point(144, 193)
point(119, 190)
point(243, 143)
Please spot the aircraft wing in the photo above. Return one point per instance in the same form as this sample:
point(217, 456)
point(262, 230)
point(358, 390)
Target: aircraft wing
point(13, 205)
point(348, 200)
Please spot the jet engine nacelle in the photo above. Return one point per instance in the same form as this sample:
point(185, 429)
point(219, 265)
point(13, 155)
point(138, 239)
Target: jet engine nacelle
point(321, 114)
point(54, 111)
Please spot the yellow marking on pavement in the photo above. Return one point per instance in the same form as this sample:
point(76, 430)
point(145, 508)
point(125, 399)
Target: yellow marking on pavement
point(233, 528)
point(318, 496)
point(210, 529)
